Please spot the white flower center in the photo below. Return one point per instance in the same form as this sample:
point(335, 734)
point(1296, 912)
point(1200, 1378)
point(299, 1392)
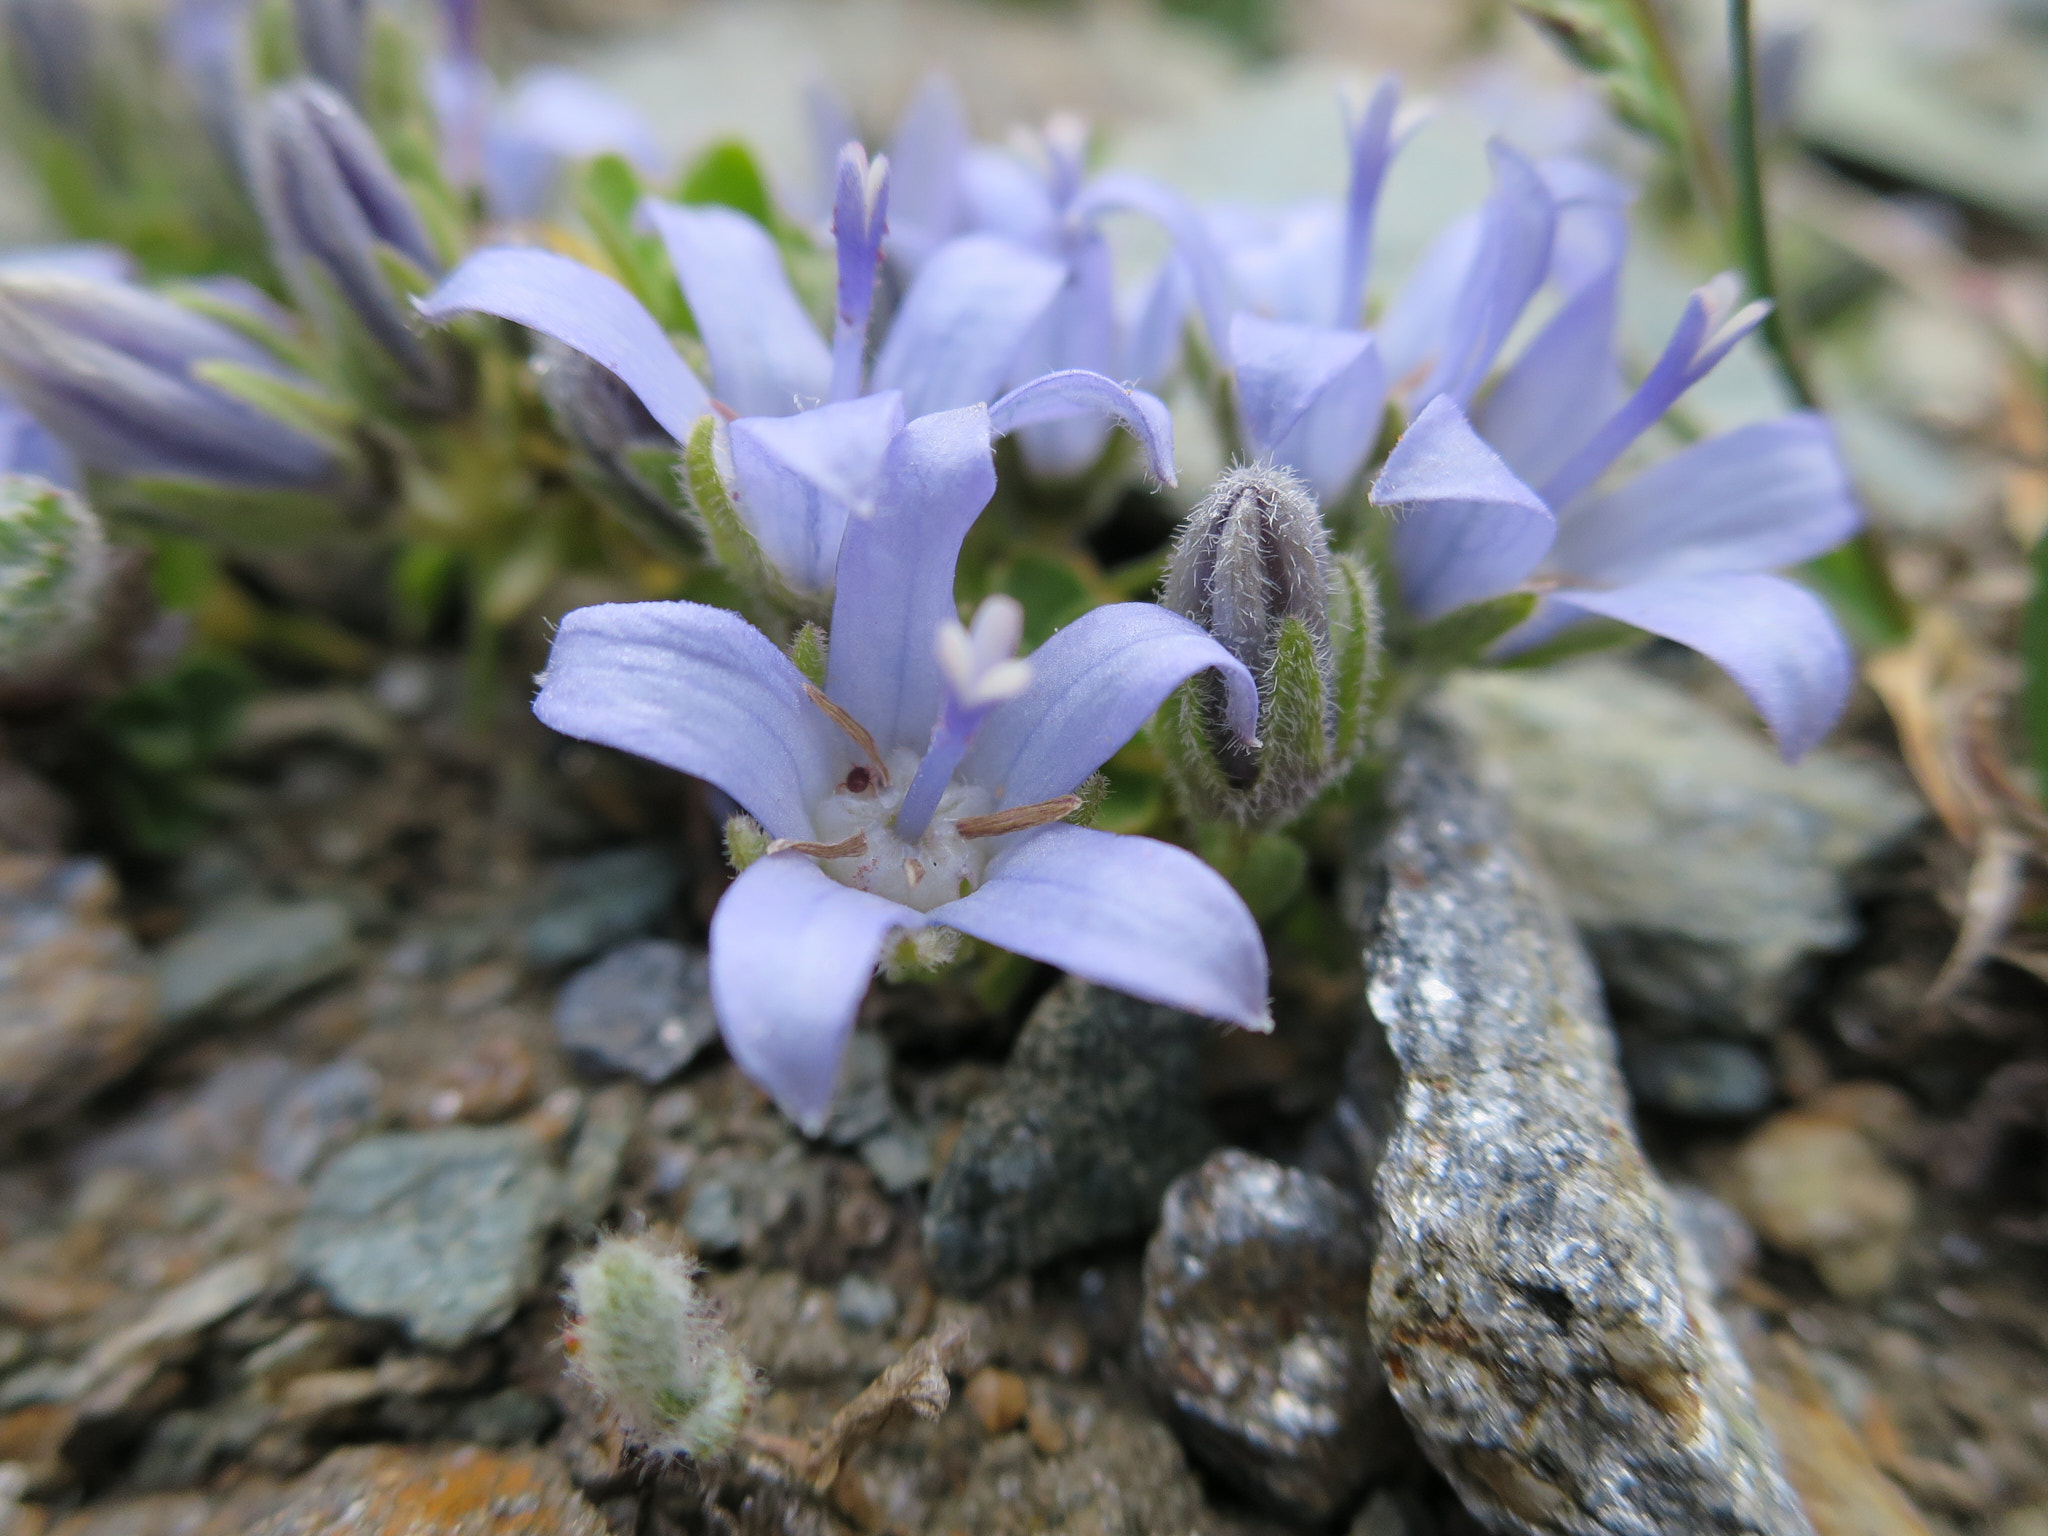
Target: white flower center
point(939, 867)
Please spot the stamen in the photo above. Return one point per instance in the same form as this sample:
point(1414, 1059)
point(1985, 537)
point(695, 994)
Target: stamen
point(1018, 818)
point(857, 732)
point(913, 873)
point(846, 848)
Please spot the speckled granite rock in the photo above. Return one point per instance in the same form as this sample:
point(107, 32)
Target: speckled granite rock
point(1254, 1334)
point(1096, 1112)
point(1550, 1337)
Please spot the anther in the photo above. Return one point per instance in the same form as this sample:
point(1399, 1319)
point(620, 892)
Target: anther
point(913, 873)
point(1019, 818)
point(855, 731)
point(846, 848)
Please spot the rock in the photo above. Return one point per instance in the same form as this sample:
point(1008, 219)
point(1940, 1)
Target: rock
point(1816, 1187)
point(609, 1121)
point(899, 1156)
point(170, 1329)
point(78, 1005)
point(593, 903)
point(997, 1399)
point(1703, 1078)
point(1254, 1334)
point(862, 1302)
point(643, 1009)
point(712, 1220)
point(1844, 1492)
point(323, 1110)
point(1550, 1338)
point(1702, 870)
point(1095, 1113)
point(481, 1085)
point(1388, 1514)
point(440, 1230)
point(1120, 1475)
point(388, 1491)
point(862, 1103)
point(249, 955)
point(1718, 1234)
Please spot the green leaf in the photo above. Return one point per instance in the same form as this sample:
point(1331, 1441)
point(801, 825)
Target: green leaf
point(1053, 591)
point(728, 174)
point(608, 199)
point(1294, 752)
point(1854, 581)
point(2034, 665)
point(1461, 638)
point(1270, 875)
point(248, 519)
point(1620, 44)
point(1582, 639)
point(421, 579)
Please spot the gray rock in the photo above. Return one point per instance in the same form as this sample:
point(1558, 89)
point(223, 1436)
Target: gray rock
point(862, 1302)
point(593, 903)
point(441, 1230)
point(1704, 1078)
point(712, 1221)
point(1254, 1334)
point(1718, 1234)
point(251, 955)
point(78, 1005)
point(899, 1156)
point(609, 1122)
point(1096, 1112)
point(1546, 1329)
point(323, 1110)
point(1703, 871)
point(862, 1103)
point(643, 1009)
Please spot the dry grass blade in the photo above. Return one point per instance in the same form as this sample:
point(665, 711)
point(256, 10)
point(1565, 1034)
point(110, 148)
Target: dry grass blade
point(914, 1387)
point(1905, 678)
point(1991, 900)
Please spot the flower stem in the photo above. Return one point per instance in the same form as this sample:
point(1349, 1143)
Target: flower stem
point(1752, 225)
point(1855, 576)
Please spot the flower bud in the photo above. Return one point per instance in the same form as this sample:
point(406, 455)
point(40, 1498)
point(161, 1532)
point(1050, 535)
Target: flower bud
point(134, 384)
point(53, 574)
point(621, 440)
point(650, 1345)
point(332, 41)
point(346, 233)
point(1253, 567)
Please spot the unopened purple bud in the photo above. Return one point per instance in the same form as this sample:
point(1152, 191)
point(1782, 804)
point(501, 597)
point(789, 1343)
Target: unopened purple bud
point(332, 41)
point(116, 374)
point(335, 212)
point(1253, 567)
point(860, 216)
point(465, 27)
point(1252, 555)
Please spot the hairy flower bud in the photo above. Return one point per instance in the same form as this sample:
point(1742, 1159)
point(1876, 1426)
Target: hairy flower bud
point(649, 1344)
point(346, 232)
point(332, 38)
point(1253, 567)
point(630, 452)
point(134, 384)
point(53, 574)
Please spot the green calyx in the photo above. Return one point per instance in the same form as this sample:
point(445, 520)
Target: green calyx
point(53, 568)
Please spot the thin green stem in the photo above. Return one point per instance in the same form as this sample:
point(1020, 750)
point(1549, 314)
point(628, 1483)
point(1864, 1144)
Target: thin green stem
point(1856, 576)
point(1752, 220)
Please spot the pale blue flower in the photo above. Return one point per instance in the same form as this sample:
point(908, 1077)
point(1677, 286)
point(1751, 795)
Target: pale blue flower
point(1514, 493)
point(925, 786)
point(806, 425)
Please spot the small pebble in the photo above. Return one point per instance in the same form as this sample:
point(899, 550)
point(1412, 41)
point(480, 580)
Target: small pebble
point(1064, 1349)
point(998, 1399)
point(488, 1084)
point(1047, 1435)
point(865, 1303)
